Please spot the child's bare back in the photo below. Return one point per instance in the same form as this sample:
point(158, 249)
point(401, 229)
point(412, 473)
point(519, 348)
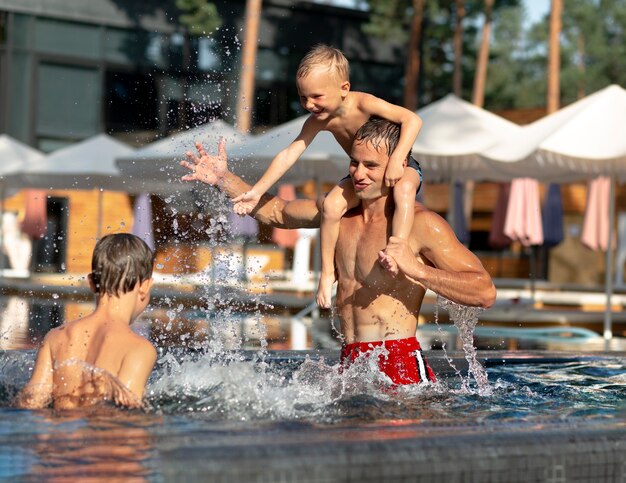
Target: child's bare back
point(99, 358)
point(91, 358)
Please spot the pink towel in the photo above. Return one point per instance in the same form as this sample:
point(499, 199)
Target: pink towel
point(595, 234)
point(35, 221)
point(523, 214)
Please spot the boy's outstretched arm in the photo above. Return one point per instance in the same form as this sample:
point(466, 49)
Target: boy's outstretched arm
point(38, 391)
point(410, 125)
point(281, 163)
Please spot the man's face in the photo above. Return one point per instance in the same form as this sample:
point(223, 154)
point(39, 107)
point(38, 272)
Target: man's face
point(367, 169)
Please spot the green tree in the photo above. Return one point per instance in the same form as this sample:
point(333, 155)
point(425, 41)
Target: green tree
point(594, 37)
point(392, 19)
point(199, 17)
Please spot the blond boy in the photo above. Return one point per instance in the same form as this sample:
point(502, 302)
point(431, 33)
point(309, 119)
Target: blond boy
point(324, 88)
point(76, 361)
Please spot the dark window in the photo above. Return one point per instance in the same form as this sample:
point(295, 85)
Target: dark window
point(50, 252)
point(131, 101)
point(4, 21)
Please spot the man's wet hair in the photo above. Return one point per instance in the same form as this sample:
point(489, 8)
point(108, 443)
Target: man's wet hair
point(120, 261)
point(378, 131)
point(322, 55)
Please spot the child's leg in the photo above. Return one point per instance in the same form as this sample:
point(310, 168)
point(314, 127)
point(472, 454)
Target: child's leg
point(340, 199)
point(404, 197)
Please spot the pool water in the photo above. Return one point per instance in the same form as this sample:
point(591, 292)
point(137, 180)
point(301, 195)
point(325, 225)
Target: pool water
point(286, 416)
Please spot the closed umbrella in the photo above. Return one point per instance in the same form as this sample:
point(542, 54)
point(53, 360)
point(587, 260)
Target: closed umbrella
point(459, 225)
point(142, 219)
point(523, 216)
point(595, 233)
point(497, 238)
point(552, 215)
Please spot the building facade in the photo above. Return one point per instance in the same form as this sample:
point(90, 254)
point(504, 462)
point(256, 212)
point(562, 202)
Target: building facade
point(70, 69)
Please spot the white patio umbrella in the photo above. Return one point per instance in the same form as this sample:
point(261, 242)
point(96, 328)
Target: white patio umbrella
point(86, 165)
point(581, 141)
point(324, 159)
point(453, 134)
point(15, 156)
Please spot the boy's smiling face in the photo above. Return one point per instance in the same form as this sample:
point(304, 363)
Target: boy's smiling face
point(322, 92)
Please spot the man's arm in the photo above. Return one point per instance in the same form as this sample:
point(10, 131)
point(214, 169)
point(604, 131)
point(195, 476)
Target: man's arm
point(451, 271)
point(271, 210)
point(38, 392)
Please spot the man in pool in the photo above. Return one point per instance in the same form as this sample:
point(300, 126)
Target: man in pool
point(99, 358)
point(380, 290)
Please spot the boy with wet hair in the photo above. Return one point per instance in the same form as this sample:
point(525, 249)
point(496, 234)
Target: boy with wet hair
point(324, 88)
point(98, 357)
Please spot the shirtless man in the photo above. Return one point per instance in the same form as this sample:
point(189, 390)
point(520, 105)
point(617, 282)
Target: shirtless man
point(99, 358)
point(376, 307)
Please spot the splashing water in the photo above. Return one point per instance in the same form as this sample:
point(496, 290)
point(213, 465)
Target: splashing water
point(465, 319)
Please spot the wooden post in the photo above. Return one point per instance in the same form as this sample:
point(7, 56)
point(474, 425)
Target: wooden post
point(480, 78)
point(413, 58)
point(554, 60)
point(245, 99)
point(457, 75)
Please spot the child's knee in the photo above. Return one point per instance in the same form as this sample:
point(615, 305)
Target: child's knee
point(404, 191)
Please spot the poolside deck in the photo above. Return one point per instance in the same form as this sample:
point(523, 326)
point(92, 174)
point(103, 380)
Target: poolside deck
point(518, 301)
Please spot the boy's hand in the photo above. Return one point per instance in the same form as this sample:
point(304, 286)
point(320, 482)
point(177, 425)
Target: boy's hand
point(400, 251)
point(388, 263)
point(245, 203)
point(393, 173)
point(206, 168)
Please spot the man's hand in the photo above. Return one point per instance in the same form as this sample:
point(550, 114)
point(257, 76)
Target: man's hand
point(204, 167)
point(401, 252)
point(245, 203)
point(393, 173)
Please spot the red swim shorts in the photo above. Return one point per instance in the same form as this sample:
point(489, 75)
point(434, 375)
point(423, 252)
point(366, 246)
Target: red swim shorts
point(404, 362)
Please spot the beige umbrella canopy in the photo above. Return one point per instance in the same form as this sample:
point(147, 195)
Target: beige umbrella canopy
point(87, 164)
point(453, 134)
point(15, 156)
point(583, 140)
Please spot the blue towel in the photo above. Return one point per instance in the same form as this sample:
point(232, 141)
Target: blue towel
point(553, 216)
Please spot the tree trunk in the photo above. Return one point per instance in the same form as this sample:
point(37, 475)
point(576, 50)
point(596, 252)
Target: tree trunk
point(554, 59)
point(580, 65)
point(245, 99)
point(457, 76)
point(480, 78)
point(412, 66)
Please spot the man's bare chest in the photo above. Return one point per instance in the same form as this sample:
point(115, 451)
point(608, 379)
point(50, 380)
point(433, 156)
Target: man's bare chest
point(358, 246)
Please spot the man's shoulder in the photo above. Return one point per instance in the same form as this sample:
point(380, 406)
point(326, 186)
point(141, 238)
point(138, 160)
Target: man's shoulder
point(425, 216)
